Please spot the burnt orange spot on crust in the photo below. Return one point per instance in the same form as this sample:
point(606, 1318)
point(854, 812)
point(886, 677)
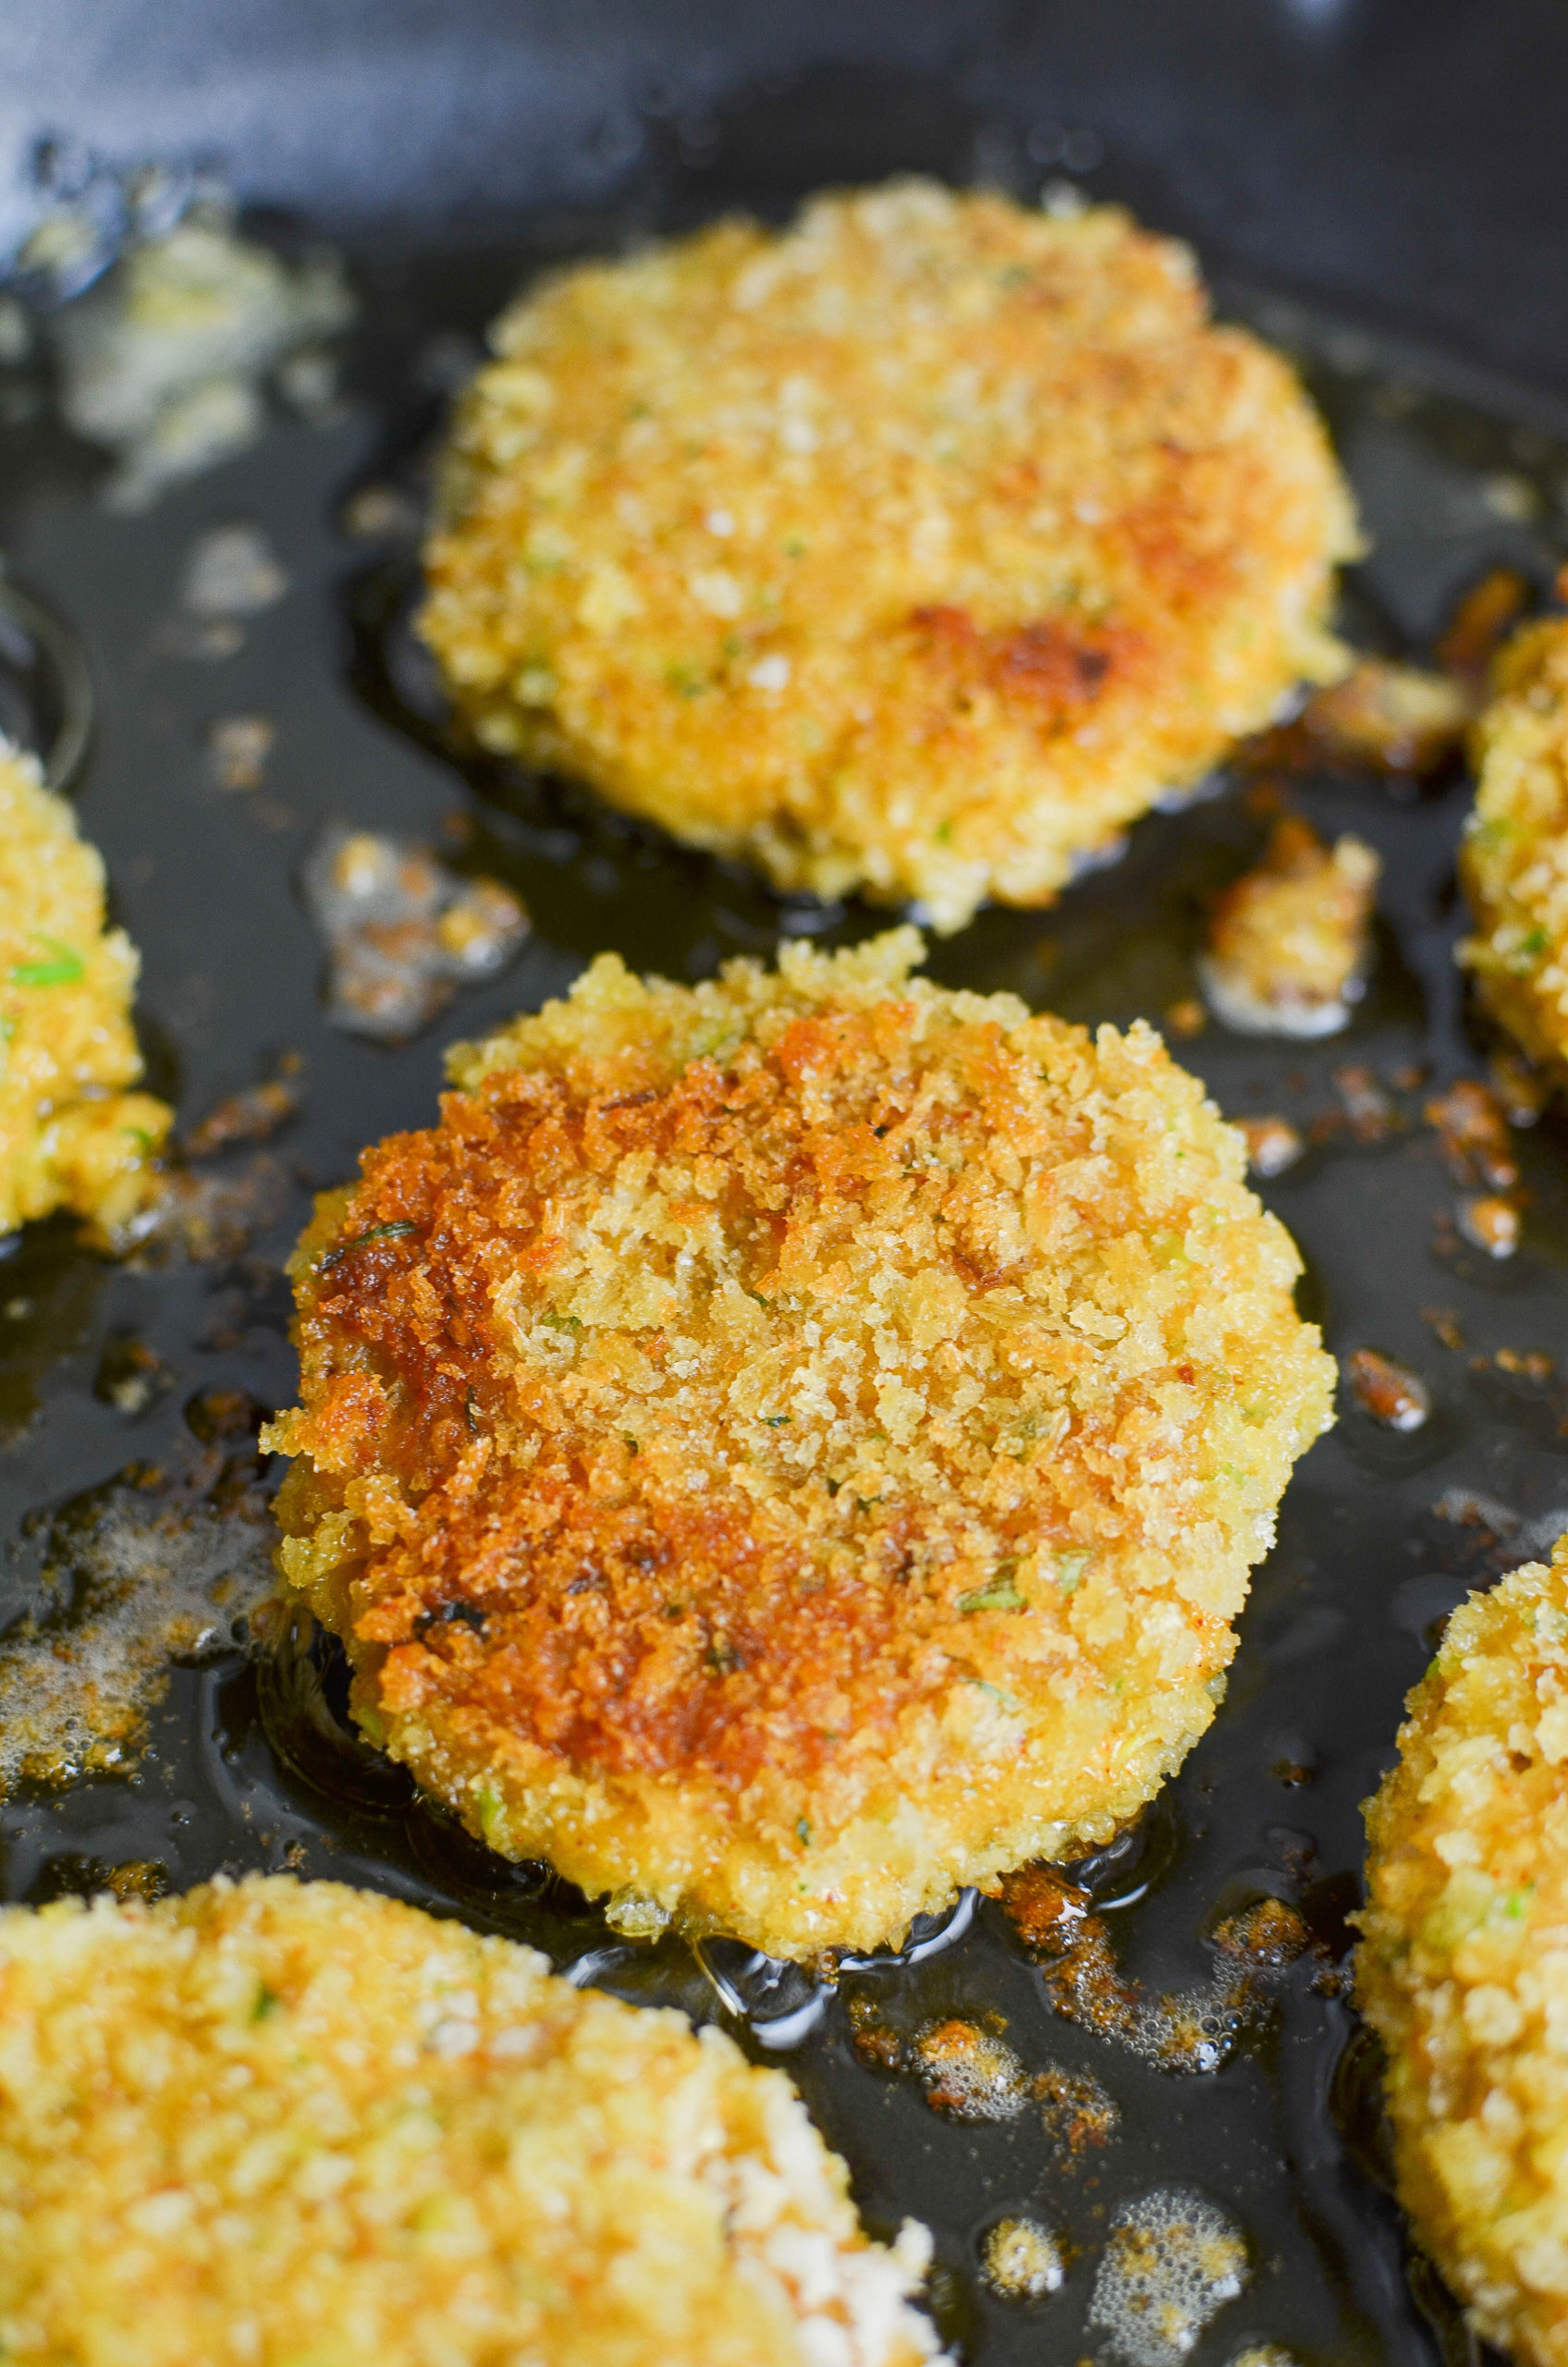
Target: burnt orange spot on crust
point(1054, 666)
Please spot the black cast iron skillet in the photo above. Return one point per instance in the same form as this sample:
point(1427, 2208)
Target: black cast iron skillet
point(1382, 185)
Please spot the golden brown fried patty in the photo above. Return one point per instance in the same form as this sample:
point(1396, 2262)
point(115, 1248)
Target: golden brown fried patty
point(301, 2126)
point(1464, 1971)
point(70, 1135)
point(918, 550)
point(787, 1448)
point(1513, 860)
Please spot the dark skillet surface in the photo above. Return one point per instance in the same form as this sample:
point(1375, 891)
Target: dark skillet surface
point(248, 1761)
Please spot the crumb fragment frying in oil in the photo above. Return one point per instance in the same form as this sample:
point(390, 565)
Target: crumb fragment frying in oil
point(1273, 1144)
point(130, 1374)
point(1390, 1391)
point(166, 359)
point(1194, 2030)
point(1289, 946)
point(1491, 1223)
point(1388, 719)
point(252, 1115)
point(1391, 719)
point(238, 749)
point(206, 1217)
point(1022, 2261)
point(1472, 1122)
point(403, 933)
point(231, 574)
point(151, 1567)
point(1075, 2110)
point(968, 2072)
point(1172, 2262)
point(1472, 1126)
point(1269, 1935)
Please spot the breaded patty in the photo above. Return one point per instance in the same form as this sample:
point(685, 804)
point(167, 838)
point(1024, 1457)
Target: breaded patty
point(1464, 1973)
point(1513, 860)
point(787, 1448)
point(294, 2124)
point(916, 550)
point(70, 1135)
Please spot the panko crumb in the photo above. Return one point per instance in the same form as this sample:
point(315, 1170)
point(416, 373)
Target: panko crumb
point(1513, 858)
point(71, 1137)
point(916, 549)
point(262, 2114)
point(1461, 1970)
point(788, 1448)
point(1289, 944)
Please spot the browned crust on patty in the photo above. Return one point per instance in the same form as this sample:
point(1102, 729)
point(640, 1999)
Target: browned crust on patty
point(920, 548)
point(761, 1425)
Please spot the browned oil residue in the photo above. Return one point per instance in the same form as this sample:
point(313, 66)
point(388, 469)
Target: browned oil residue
point(968, 2073)
point(1269, 1935)
point(150, 1567)
point(1190, 2031)
point(251, 1116)
point(206, 1217)
point(1075, 2110)
point(879, 2048)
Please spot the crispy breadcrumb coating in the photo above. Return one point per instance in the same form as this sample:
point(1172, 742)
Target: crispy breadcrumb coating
point(787, 1448)
point(70, 1135)
point(917, 549)
point(286, 2123)
point(1462, 1970)
point(1513, 860)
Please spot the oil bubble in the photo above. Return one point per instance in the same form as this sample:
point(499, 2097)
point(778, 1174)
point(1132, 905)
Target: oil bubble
point(1172, 2262)
point(1022, 2261)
